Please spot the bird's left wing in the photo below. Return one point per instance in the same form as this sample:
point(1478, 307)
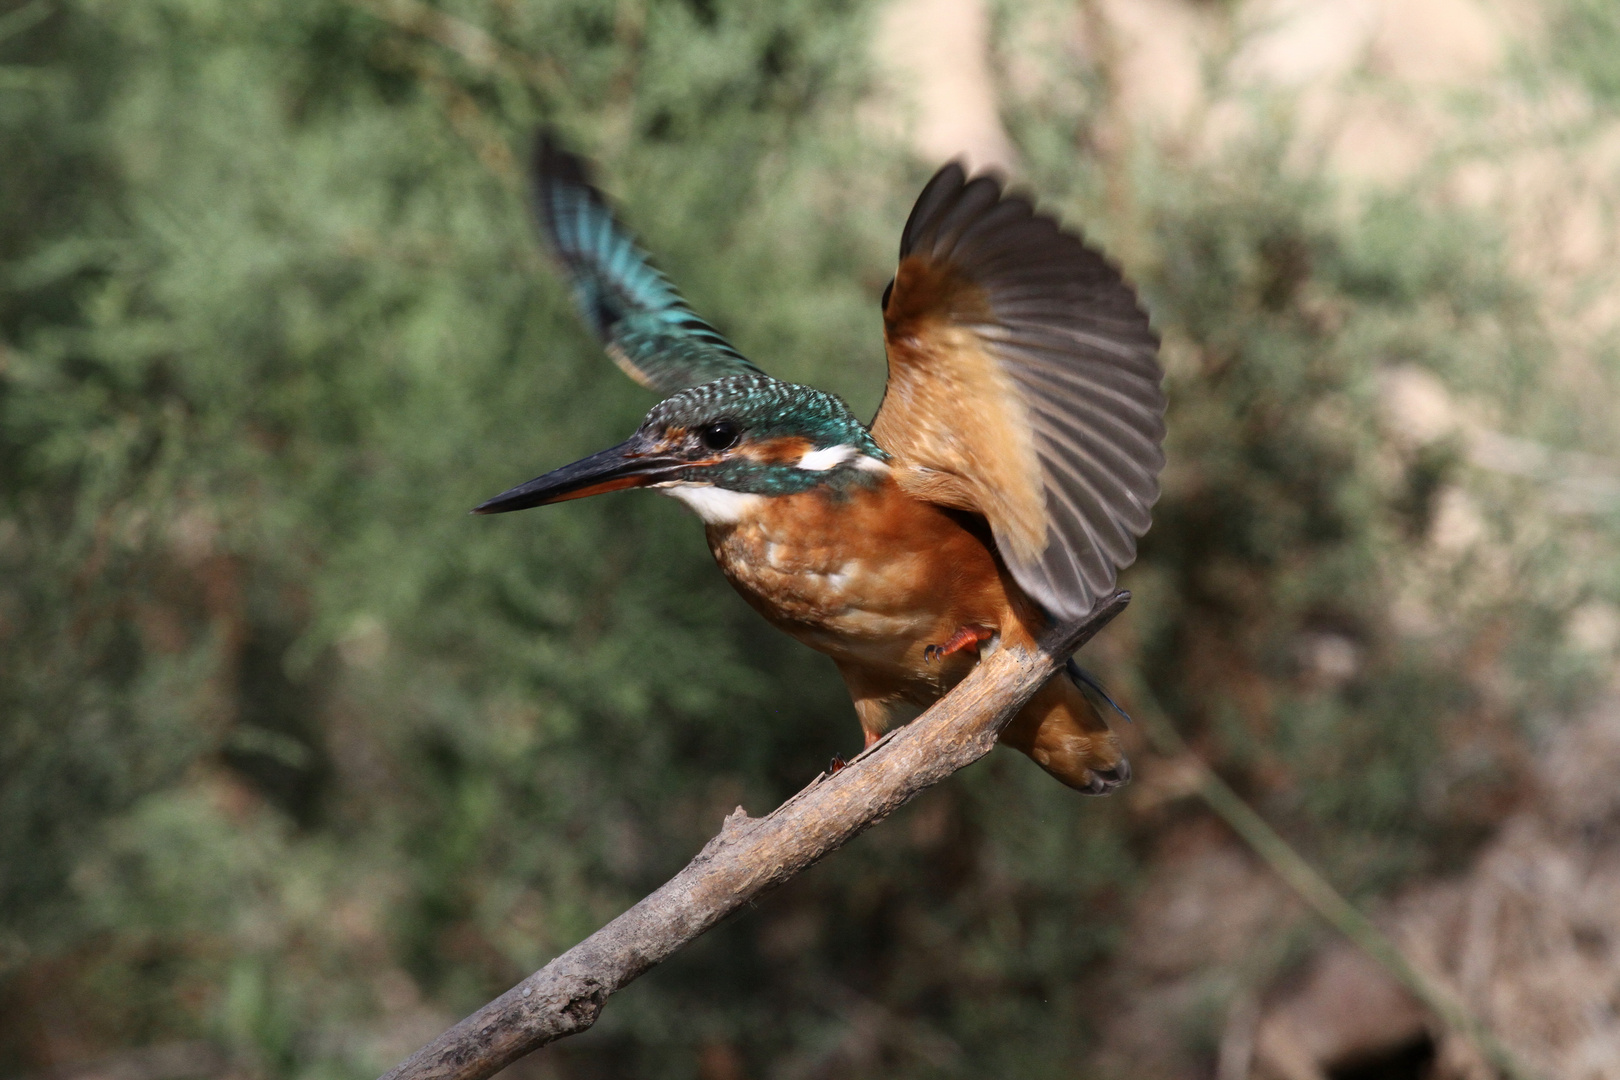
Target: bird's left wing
point(1024, 386)
point(643, 322)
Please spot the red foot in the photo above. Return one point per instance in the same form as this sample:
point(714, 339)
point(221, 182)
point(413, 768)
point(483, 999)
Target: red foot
point(836, 764)
point(967, 637)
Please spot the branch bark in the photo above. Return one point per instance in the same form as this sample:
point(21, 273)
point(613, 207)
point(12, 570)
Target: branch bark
point(751, 856)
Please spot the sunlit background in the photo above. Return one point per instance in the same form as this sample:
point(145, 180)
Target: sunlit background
point(299, 763)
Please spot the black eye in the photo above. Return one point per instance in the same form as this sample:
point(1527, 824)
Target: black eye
point(720, 435)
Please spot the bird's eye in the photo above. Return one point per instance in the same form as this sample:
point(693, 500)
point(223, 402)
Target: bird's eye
point(720, 435)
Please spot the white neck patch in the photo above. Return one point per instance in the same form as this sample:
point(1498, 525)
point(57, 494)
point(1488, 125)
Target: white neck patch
point(831, 457)
point(827, 458)
point(715, 505)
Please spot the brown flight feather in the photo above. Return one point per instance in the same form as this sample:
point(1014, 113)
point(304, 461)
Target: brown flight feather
point(1023, 385)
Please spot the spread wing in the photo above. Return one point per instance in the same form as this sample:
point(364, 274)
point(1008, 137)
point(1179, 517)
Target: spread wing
point(642, 321)
point(1024, 385)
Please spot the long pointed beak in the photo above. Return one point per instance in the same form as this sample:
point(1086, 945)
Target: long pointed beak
point(624, 466)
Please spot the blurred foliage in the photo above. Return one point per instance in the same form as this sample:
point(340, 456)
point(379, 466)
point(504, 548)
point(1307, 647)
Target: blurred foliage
point(1584, 36)
point(298, 758)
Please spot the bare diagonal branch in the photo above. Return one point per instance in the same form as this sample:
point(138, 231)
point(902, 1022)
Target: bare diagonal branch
point(751, 856)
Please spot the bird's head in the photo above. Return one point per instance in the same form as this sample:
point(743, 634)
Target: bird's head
point(719, 448)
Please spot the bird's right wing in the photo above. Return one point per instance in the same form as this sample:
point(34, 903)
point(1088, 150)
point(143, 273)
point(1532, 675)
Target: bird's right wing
point(642, 321)
point(1023, 385)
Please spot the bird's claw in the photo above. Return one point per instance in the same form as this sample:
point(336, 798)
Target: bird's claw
point(836, 764)
point(966, 637)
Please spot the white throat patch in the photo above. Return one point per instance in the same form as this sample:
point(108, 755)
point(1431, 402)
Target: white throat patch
point(715, 505)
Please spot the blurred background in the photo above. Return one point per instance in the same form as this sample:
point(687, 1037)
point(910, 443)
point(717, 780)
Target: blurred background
point(299, 763)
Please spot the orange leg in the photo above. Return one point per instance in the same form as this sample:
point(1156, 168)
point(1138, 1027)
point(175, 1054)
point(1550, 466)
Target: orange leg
point(966, 637)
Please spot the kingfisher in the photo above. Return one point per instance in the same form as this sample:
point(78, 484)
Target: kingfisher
point(1003, 484)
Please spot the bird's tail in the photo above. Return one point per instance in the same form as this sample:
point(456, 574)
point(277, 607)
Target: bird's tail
point(1085, 680)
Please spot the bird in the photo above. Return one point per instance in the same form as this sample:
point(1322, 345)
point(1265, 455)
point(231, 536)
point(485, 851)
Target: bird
point(1000, 488)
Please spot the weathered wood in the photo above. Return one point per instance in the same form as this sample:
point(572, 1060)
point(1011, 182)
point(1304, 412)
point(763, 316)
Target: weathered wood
point(751, 856)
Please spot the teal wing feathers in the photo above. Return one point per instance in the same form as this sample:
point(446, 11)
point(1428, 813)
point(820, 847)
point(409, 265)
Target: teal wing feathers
point(642, 321)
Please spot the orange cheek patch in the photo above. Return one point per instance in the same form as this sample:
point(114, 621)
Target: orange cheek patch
point(784, 451)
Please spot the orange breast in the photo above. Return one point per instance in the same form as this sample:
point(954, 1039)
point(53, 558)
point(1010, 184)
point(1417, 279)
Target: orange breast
point(871, 578)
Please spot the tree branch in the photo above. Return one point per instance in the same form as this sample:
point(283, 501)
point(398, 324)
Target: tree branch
point(751, 856)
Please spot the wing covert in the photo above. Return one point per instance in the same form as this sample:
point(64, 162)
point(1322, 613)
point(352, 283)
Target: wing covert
point(642, 321)
point(1024, 384)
